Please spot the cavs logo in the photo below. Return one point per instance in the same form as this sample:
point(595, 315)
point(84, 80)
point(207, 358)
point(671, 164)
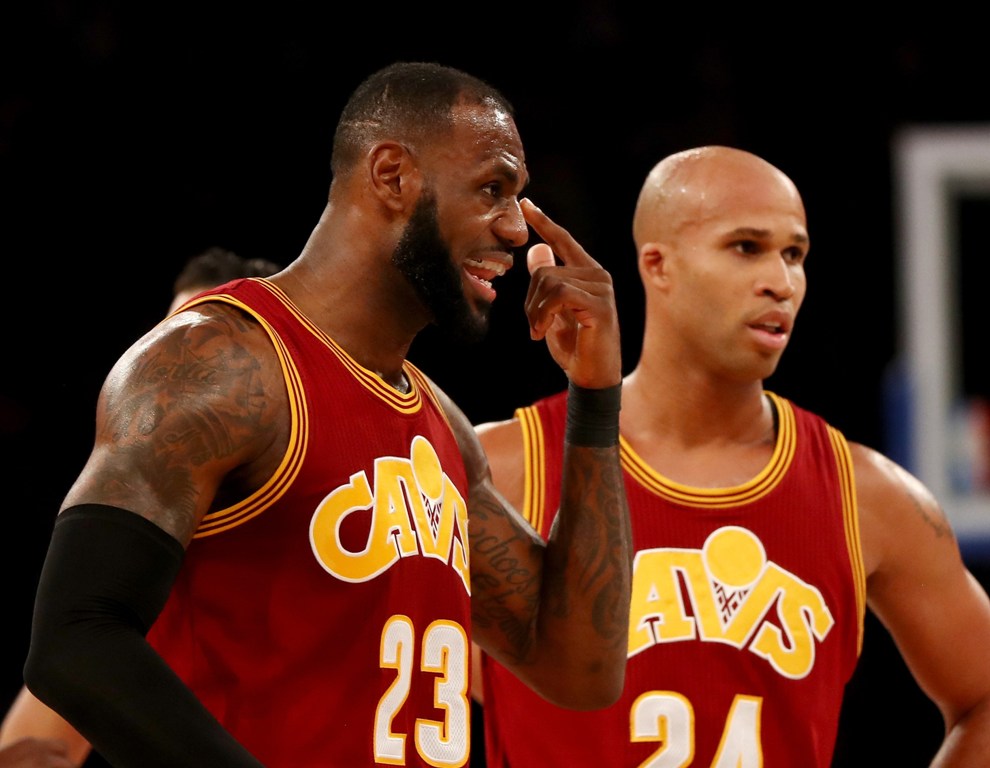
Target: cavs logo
point(410, 508)
point(727, 593)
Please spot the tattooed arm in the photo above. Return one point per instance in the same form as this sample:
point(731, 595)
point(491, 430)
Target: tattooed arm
point(197, 398)
point(933, 607)
point(555, 613)
point(192, 406)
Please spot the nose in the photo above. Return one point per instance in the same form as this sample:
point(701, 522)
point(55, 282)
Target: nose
point(780, 277)
point(511, 226)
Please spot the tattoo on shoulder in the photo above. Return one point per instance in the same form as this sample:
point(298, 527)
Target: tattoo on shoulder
point(931, 513)
point(896, 481)
point(194, 395)
point(924, 504)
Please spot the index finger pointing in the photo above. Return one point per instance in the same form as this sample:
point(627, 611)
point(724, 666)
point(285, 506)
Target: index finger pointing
point(566, 248)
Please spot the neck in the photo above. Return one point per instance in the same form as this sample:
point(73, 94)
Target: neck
point(693, 409)
point(356, 298)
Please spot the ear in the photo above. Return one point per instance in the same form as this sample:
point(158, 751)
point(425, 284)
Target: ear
point(395, 177)
point(652, 263)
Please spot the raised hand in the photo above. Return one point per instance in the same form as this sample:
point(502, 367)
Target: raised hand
point(572, 305)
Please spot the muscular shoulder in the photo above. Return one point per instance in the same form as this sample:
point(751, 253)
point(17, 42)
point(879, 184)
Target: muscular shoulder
point(213, 354)
point(195, 402)
point(899, 516)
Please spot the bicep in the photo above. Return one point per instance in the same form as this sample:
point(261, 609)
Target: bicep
point(942, 629)
point(919, 587)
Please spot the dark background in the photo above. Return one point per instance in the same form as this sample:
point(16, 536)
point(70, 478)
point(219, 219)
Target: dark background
point(133, 135)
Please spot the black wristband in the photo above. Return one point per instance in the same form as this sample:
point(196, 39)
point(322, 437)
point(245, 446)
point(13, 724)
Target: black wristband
point(593, 416)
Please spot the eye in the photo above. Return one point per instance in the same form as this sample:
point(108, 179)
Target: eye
point(795, 255)
point(746, 247)
point(493, 188)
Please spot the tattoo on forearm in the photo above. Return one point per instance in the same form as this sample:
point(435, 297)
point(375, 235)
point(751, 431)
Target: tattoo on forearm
point(585, 565)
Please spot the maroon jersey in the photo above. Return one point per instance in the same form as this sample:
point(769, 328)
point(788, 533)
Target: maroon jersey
point(746, 622)
point(325, 620)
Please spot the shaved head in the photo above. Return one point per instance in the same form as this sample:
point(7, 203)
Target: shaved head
point(721, 240)
point(696, 185)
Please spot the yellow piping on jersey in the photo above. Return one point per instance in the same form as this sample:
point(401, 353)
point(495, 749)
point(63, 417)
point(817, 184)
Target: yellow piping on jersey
point(533, 456)
point(718, 498)
point(850, 516)
point(229, 517)
point(409, 402)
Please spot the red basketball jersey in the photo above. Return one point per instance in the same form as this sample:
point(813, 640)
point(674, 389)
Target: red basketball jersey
point(325, 620)
point(747, 614)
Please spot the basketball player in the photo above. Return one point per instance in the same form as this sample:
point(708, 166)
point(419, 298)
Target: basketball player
point(30, 728)
point(761, 534)
point(287, 499)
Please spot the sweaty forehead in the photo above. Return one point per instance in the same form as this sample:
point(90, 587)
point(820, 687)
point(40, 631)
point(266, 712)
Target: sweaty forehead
point(484, 133)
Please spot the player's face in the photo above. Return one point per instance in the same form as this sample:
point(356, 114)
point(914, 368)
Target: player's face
point(423, 257)
point(462, 233)
point(742, 282)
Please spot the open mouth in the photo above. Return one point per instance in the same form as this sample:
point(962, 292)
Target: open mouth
point(484, 270)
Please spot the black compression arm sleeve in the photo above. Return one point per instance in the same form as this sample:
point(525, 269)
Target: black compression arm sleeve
point(105, 579)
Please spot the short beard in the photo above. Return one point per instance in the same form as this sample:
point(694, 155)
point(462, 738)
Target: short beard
point(424, 260)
